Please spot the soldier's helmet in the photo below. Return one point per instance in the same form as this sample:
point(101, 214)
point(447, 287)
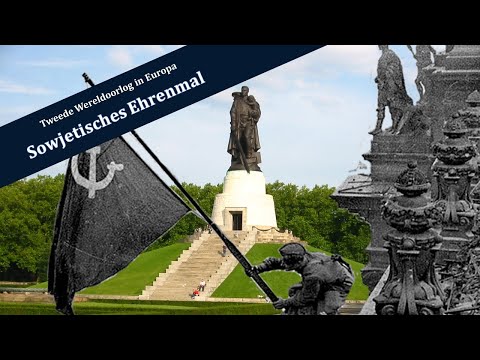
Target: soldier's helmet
point(292, 253)
point(292, 249)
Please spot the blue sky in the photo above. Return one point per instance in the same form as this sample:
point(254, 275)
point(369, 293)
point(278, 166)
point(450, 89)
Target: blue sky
point(316, 110)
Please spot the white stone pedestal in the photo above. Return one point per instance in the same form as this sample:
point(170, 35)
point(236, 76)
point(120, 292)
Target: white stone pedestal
point(244, 195)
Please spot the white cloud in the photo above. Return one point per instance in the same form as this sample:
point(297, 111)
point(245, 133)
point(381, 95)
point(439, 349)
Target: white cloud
point(224, 96)
point(154, 49)
point(120, 56)
point(359, 59)
point(272, 82)
point(127, 56)
point(11, 113)
point(338, 59)
point(331, 61)
point(55, 63)
point(306, 93)
point(11, 87)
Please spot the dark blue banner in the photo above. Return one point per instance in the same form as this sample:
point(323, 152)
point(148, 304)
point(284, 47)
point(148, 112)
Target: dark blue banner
point(131, 100)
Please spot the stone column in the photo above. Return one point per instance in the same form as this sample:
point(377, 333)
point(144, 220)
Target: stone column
point(454, 172)
point(412, 287)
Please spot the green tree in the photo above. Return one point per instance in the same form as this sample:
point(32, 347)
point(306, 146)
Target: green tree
point(28, 208)
point(315, 217)
point(27, 215)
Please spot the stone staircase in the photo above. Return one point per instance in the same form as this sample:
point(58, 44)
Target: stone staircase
point(228, 265)
point(203, 260)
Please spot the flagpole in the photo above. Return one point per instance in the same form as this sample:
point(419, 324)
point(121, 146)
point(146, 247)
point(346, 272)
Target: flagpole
point(230, 245)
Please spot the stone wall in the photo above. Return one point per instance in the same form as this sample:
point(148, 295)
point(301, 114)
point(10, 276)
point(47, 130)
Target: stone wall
point(277, 237)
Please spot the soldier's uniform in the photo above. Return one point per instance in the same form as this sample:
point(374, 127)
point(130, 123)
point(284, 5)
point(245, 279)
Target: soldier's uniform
point(326, 280)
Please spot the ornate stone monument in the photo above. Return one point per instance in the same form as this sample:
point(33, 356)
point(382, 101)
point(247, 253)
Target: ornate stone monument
point(412, 287)
point(390, 153)
point(447, 83)
point(244, 204)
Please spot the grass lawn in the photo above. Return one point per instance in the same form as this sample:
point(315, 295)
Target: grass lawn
point(125, 307)
point(143, 271)
point(140, 273)
point(238, 285)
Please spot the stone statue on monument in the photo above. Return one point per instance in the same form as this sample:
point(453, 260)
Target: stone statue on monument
point(391, 90)
point(423, 56)
point(244, 142)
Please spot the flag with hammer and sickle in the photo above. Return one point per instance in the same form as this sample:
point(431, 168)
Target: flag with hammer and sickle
point(113, 206)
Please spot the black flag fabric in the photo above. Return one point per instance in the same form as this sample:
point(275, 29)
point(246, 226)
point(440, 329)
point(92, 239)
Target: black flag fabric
point(113, 206)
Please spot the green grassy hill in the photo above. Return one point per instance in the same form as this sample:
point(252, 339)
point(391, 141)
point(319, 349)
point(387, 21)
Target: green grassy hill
point(238, 285)
point(143, 271)
point(140, 273)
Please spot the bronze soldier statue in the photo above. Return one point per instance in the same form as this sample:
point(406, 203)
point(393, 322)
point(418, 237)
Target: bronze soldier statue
point(244, 142)
point(391, 90)
point(326, 280)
